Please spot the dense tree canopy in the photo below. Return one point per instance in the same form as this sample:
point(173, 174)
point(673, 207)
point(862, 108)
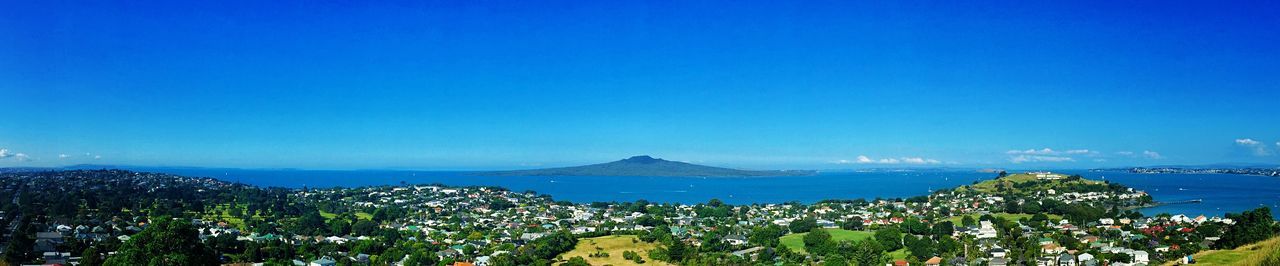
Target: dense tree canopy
point(164, 242)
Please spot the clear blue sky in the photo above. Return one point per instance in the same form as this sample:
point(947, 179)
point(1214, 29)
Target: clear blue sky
point(520, 84)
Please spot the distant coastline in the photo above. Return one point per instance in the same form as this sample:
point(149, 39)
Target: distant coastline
point(1260, 171)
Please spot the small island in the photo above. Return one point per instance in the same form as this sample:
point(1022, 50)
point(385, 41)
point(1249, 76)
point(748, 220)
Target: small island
point(644, 165)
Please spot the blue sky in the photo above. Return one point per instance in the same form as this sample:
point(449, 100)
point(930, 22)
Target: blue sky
point(521, 84)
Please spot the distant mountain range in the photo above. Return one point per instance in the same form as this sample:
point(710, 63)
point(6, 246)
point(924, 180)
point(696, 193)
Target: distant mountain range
point(646, 166)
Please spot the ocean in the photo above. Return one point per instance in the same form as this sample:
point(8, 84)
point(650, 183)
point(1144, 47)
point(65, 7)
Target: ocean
point(1220, 193)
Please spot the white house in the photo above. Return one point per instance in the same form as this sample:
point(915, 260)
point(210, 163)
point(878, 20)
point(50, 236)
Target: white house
point(1141, 257)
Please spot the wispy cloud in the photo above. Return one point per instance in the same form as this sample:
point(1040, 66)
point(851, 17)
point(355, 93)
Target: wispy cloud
point(63, 156)
point(1045, 151)
point(1048, 155)
point(863, 159)
point(1254, 147)
point(1024, 158)
point(21, 157)
point(1152, 155)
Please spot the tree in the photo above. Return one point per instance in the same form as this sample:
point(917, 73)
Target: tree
point(890, 238)
point(1251, 226)
point(867, 252)
point(766, 236)
point(818, 241)
point(91, 257)
point(834, 260)
point(364, 228)
point(803, 225)
point(922, 248)
point(968, 221)
point(944, 228)
point(164, 242)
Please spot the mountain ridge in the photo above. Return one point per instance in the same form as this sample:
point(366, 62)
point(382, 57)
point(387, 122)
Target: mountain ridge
point(644, 165)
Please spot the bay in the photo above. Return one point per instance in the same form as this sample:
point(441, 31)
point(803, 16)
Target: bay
point(1220, 194)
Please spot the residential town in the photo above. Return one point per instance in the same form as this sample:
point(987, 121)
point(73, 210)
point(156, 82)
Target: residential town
point(1020, 219)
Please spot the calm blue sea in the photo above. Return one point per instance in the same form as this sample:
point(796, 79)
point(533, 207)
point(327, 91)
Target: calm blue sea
point(1220, 193)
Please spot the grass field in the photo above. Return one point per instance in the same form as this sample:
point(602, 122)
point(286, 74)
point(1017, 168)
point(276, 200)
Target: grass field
point(1245, 255)
point(1008, 216)
point(359, 215)
point(990, 186)
point(614, 245)
point(796, 241)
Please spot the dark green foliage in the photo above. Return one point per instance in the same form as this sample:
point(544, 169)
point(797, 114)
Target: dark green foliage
point(818, 241)
point(890, 238)
point(1251, 226)
point(803, 225)
point(164, 242)
point(576, 261)
point(866, 252)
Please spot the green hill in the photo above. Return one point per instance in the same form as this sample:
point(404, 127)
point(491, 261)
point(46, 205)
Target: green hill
point(796, 241)
point(646, 166)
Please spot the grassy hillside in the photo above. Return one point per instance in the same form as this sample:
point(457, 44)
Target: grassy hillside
point(1254, 254)
point(1007, 216)
point(1012, 183)
point(614, 246)
point(796, 241)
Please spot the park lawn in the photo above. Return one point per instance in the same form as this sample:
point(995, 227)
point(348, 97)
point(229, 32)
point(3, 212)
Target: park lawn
point(899, 254)
point(1007, 216)
point(328, 215)
point(1251, 254)
point(359, 215)
point(222, 212)
point(614, 246)
point(795, 242)
point(989, 186)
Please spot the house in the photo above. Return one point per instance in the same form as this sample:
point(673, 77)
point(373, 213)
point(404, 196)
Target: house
point(735, 240)
point(1066, 260)
point(997, 252)
point(1141, 257)
point(901, 263)
point(934, 261)
point(986, 230)
point(324, 261)
point(748, 252)
point(998, 262)
point(1086, 259)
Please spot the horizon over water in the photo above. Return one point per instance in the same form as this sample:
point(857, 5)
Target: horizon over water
point(1220, 193)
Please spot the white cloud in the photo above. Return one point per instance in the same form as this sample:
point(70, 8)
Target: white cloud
point(1247, 142)
point(1039, 158)
point(863, 159)
point(1254, 146)
point(1045, 151)
point(1152, 155)
point(914, 160)
point(1081, 151)
point(95, 157)
point(1125, 153)
point(4, 153)
point(22, 157)
point(63, 156)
